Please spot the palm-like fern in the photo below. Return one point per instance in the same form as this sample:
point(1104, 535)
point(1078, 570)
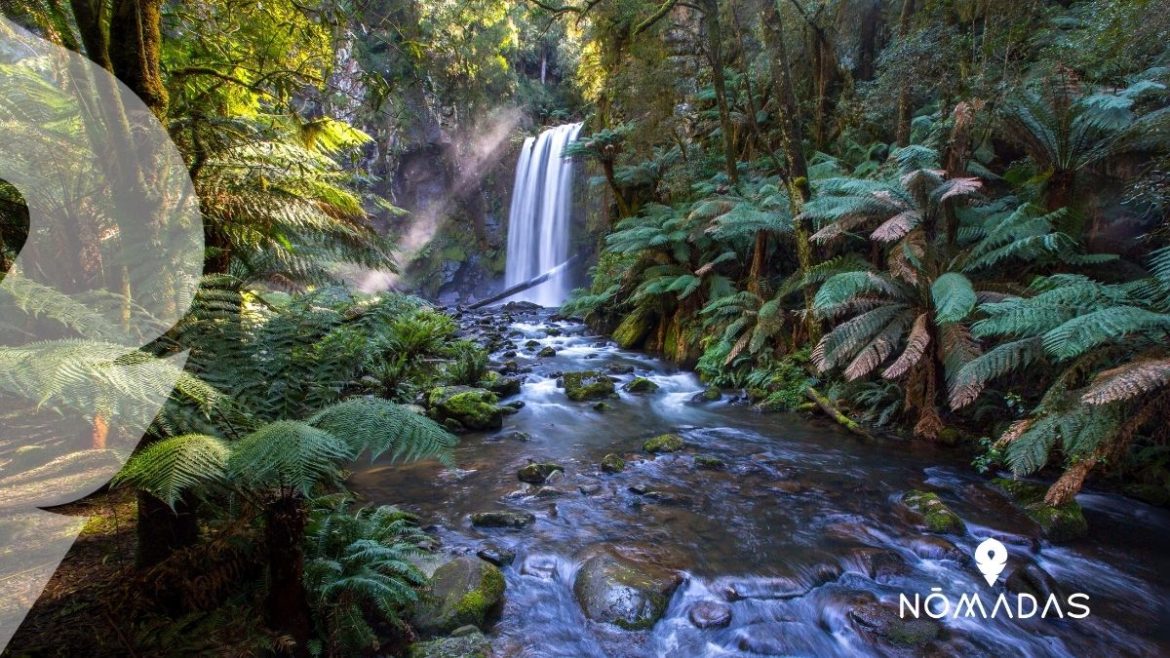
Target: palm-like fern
point(911, 315)
point(1095, 408)
point(1065, 135)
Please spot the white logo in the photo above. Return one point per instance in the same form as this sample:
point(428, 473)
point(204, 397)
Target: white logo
point(991, 557)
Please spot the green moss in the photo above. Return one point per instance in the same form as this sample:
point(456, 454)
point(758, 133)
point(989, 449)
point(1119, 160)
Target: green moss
point(935, 513)
point(633, 329)
point(641, 385)
point(612, 463)
point(664, 443)
point(709, 463)
point(473, 408)
point(1061, 523)
point(475, 605)
point(538, 473)
point(588, 385)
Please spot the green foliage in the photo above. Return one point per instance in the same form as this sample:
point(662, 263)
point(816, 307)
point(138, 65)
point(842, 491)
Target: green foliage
point(358, 572)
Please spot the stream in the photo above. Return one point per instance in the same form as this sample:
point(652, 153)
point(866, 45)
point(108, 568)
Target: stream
point(800, 536)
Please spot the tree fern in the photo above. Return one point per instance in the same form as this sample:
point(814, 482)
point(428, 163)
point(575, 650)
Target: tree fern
point(288, 456)
point(169, 468)
point(380, 427)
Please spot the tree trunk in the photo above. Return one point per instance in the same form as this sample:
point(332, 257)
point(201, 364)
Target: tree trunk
point(904, 101)
point(162, 531)
point(135, 51)
point(715, 53)
point(287, 605)
point(792, 138)
point(91, 25)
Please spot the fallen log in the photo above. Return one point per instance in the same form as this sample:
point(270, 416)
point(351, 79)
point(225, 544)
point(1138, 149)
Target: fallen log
point(826, 405)
point(521, 287)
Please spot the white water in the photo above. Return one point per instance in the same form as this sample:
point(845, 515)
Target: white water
point(539, 220)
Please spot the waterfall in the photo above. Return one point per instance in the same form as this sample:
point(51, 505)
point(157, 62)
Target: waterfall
point(539, 220)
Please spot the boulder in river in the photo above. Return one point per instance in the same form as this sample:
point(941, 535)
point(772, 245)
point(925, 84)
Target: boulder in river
point(1061, 523)
point(709, 462)
point(640, 385)
point(471, 644)
point(547, 352)
point(472, 408)
point(464, 591)
point(881, 621)
point(502, 519)
point(587, 385)
point(664, 443)
point(629, 594)
point(1032, 579)
point(710, 614)
point(497, 555)
point(501, 385)
point(538, 473)
point(934, 512)
point(612, 463)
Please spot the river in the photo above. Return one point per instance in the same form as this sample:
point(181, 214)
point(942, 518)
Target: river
point(797, 536)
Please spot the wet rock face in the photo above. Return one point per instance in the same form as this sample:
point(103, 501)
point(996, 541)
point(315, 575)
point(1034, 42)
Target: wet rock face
point(587, 385)
point(471, 408)
point(464, 591)
point(538, 473)
point(629, 594)
point(664, 443)
point(934, 512)
point(1058, 524)
point(502, 519)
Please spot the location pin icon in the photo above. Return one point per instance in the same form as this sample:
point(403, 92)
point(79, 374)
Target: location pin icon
point(991, 557)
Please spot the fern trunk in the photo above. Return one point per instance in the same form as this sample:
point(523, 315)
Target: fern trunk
point(287, 603)
point(161, 531)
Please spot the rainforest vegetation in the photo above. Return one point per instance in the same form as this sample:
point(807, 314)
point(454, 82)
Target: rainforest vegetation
point(930, 221)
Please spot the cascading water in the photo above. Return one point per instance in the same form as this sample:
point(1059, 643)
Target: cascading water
point(539, 220)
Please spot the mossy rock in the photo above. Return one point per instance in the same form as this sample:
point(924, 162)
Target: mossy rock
point(710, 463)
point(501, 385)
point(631, 595)
point(664, 443)
point(640, 385)
point(464, 591)
point(632, 331)
point(1059, 524)
point(547, 352)
point(472, 408)
point(881, 620)
point(935, 513)
point(587, 385)
point(538, 473)
point(612, 463)
point(502, 519)
point(712, 394)
point(472, 644)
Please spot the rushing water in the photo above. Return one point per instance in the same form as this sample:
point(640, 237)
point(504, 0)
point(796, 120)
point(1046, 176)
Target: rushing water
point(800, 529)
point(539, 219)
